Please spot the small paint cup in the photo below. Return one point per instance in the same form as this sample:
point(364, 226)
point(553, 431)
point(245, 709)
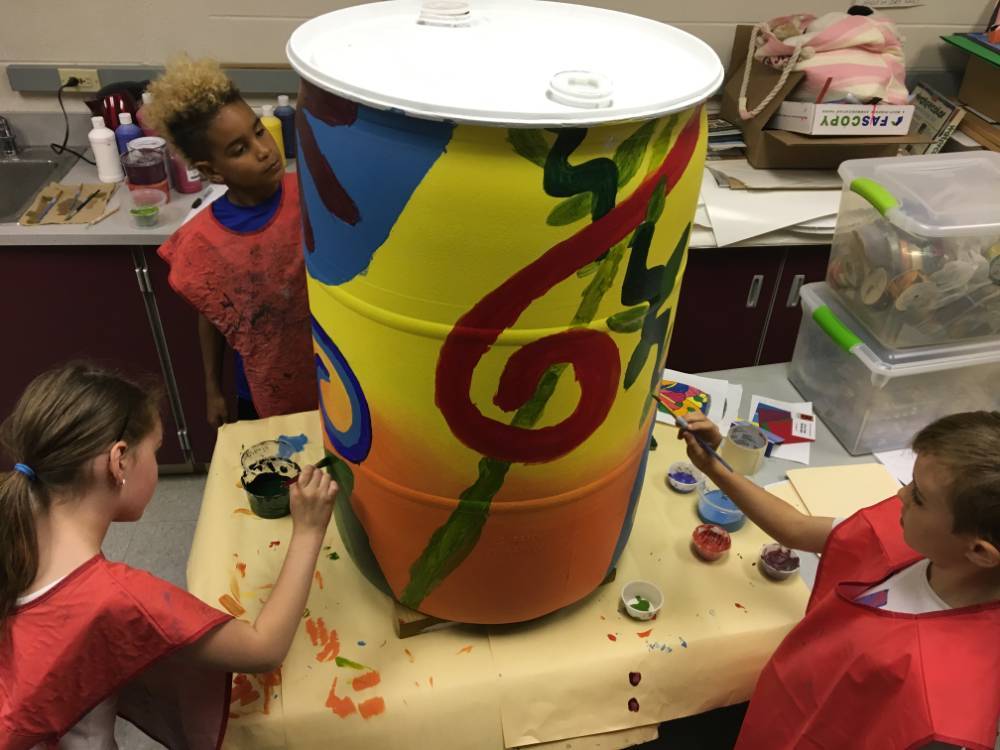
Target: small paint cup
point(683, 476)
point(714, 506)
point(145, 207)
point(642, 600)
point(778, 562)
point(710, 542)
point(266, 479)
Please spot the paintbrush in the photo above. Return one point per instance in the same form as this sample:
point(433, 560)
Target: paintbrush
point(684, 427)
point(321, 464)
point(80, 207)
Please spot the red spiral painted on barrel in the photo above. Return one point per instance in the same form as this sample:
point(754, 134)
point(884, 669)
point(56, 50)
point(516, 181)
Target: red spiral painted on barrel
point(592, 354)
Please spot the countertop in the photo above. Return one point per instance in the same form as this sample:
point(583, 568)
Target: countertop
point(117, 229)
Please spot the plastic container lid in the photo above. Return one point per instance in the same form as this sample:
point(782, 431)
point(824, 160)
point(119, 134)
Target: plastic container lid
point(937, 195)
point(505, 62)
point(884, 362)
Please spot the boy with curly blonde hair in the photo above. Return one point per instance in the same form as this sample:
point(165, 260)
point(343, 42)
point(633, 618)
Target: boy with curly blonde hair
point(239, 262)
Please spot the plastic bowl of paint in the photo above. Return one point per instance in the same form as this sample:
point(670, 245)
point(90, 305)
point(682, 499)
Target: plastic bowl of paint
point(683, 476)
point(641, 599)
point(714, 506)
point(778, 562)
point(145, 208)
point(266, 478)
point(710, 542)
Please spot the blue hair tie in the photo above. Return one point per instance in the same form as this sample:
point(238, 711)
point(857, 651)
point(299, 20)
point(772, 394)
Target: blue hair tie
point(27, 471)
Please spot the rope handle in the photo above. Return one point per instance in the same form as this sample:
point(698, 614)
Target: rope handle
point(786, 71)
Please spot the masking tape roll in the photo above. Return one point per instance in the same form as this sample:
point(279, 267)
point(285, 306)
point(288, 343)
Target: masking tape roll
point(744, 448)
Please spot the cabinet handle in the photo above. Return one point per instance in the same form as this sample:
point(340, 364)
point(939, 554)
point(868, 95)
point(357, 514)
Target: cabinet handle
point(793, 293)
point(753, 296)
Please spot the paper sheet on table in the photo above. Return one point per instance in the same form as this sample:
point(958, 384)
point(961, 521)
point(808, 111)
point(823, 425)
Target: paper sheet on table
point(619, 740)
point(720, 618)
point(440, 686)
point(724, 404)
point(899, 463)
point(740, 214)
point(841, 491)
point(798, 452)
point(777, 179)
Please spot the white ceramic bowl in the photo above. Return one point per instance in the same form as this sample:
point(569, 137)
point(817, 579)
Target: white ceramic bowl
point(634, 592)
point(688, 468)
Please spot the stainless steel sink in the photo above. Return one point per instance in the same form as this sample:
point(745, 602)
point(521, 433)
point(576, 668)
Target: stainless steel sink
point(21, 178)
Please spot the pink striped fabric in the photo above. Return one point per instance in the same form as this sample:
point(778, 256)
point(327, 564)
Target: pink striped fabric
point(862, 55)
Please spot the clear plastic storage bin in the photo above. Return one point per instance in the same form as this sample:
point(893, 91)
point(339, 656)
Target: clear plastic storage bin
point(916, 253)
point(874, 398)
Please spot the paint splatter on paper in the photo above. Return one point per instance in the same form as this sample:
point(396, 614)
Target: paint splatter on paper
point(633, 705)
point(342, 707)
point(409, 655)
point(231, 606)
point(274, 543)
point(242, 512)
point(740, 606)
point(371, 707)
point(319, 579)
point(464, 650)
point(365, 681)
point(327, 640)
point(342, 661)
point(684, 644)
point(612, 637)
point(644, 633)
point(634, 678)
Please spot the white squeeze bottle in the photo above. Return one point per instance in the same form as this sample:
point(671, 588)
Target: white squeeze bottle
point(105, 148)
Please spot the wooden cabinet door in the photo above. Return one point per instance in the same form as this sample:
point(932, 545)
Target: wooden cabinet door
point(724, 301)
point(64, 303)
point(803, 265)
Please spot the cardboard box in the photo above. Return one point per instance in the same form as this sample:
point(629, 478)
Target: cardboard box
point(780, 149)
point(981, 86)
point(843, 119)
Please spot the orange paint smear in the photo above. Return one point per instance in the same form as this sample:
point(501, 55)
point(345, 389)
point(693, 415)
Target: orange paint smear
point(371, 707)
point(243, 512)
point(243, 691)
point(268, 681)
point(644, 633)
point(231, 606)
point(331, 650)
point(343, 707)
point(365, 681)
point(409, 655)
point(319, 579)
point(612, 637)
point(241, 567)
point(430, 681)
point(464, 650)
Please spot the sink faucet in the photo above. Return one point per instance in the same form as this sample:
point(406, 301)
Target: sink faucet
point(8, 141)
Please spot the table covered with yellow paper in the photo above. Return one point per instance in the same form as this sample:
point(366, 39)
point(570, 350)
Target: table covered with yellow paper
point(586, 676)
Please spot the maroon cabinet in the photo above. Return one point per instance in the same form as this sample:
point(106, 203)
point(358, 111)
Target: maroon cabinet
point(63, 303)
point(739, 306)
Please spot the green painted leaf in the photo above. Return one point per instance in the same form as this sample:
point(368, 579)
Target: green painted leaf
point(655, 208)
point(661, 144)
point(530, 144)
point(628, 321)
point(570, 210)
point(628, 155)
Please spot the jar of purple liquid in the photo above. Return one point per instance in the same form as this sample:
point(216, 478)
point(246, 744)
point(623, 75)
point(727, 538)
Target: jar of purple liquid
point(145, 166)
point(714, 506)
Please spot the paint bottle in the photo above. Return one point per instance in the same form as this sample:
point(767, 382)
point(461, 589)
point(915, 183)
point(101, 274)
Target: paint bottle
point(273, 125)
point(126, 131)
point(105, 148)
point(140, 116)
point(286, 113)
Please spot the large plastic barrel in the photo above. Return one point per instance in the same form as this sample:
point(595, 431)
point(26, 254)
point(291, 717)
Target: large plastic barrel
point(497, 201)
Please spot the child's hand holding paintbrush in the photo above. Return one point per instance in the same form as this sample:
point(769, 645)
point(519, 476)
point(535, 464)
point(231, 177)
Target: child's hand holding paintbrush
point(703, 440)
point(311, 497)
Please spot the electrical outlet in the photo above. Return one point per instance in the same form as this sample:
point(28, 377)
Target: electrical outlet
point(89, 80)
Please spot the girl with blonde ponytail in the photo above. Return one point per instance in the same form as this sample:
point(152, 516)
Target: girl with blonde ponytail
point(83, 639)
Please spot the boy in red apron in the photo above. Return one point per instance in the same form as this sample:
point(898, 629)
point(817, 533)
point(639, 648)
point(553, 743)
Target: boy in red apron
point(239, 262)
point(900, 643)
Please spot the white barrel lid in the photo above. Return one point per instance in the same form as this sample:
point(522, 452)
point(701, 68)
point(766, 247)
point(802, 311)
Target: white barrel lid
point(505, 62)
